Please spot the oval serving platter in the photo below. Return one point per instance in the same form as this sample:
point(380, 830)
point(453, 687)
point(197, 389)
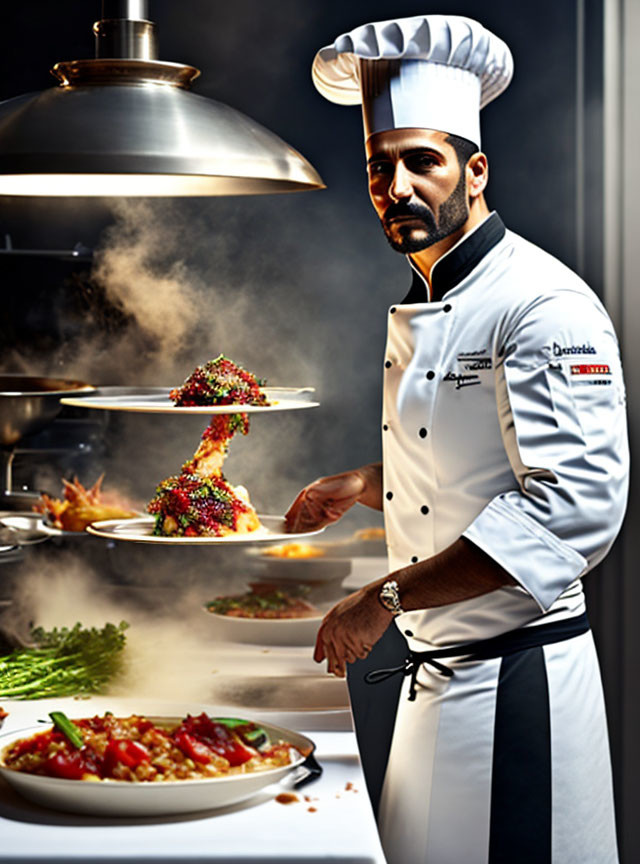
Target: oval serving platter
point(155, 400)
point(170, 798)
point(140, 531)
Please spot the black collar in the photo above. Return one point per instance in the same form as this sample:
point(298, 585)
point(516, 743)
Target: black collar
point(455, 265)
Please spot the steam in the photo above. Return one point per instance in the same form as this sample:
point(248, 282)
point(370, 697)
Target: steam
point(166, 293)
point(166, 651)
point(163, 301)
point(177, 282)
point(171, 648)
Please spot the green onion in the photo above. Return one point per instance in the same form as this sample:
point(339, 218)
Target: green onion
point(68, 729)
point(250, 733)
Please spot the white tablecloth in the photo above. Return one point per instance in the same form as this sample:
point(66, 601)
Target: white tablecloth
point(342, 827)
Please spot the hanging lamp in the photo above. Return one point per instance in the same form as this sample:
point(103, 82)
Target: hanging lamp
point(126, 124)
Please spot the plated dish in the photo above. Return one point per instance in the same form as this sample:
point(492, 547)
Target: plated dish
point(220, 381)
point(288, 551)
point(199, 501)
point(156, 400)
point(265, 602)
point(265, 631)
point(302, 563)
point(125, 756)
point(273, 529)
point(80, 506)
point(267, 614)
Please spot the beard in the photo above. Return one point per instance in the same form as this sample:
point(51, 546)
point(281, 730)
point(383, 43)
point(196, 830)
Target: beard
point(407, 238)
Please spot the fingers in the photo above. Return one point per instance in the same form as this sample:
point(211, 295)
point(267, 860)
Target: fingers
point(326, 648)
point(324, 501)
point(363, 651)
point(338, 652)
point(335, 663)
point(346, 634)
point(306, 514)
point(319, 652)
point(293, 514)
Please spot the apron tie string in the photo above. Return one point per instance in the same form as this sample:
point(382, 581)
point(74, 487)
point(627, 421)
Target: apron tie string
point(484, 649)
point(411, 666)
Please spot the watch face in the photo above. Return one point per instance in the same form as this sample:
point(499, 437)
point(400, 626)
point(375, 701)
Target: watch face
point(390, 598)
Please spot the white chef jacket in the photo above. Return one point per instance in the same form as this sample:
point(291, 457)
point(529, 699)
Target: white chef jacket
point(504, 422)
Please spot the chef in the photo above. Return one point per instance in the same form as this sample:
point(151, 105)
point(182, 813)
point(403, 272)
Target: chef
point(503, 481)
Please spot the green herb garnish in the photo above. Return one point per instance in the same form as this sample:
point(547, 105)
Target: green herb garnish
point(65, 662)
point(68, 729)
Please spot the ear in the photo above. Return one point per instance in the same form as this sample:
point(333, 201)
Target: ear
point(477, 172)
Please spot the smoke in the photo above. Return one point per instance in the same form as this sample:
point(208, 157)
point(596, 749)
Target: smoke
point(174, 283)
point(167, 651)
point(173, 272)
point(172, 649)
point(177, 282)
point(139, 276)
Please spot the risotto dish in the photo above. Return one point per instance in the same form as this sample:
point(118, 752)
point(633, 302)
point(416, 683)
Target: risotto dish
point(136, 749)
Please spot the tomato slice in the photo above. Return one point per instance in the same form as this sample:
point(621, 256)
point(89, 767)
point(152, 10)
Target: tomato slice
point(125, 752)
point(190, 746)
point(217, 737)
point(70, 766)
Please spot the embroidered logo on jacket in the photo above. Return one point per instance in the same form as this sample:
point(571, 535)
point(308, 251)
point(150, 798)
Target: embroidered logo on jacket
point(482, 363)
point(473, 361)
point(469, 355)
point(561, 350)
point(462, 380)
point(590, 369)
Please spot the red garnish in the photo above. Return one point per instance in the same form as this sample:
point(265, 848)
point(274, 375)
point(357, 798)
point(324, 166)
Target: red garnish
point(190, 746)
point(200, 506)
point(217, 737)
point(70, 766)
point(219, 382)
point(126, 752)
point(224, 426)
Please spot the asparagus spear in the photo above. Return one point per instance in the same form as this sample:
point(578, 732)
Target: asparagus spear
point(65, 662)
point(68, 729)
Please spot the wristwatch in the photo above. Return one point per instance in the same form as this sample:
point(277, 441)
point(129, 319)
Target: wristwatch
point(389, 596)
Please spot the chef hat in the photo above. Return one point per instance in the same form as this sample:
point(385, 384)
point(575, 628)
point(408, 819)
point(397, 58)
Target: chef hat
point(426, 72)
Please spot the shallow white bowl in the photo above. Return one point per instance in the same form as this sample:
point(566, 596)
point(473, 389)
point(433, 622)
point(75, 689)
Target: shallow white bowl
point(313, 571)
point(120, 798)
point(266, 631)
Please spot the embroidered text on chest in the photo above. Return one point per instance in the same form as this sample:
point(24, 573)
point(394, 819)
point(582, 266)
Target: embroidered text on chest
point(462, 380)
point(473, 361)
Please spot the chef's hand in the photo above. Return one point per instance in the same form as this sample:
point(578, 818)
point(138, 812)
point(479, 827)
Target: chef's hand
point(326, 500)
point(350, 630)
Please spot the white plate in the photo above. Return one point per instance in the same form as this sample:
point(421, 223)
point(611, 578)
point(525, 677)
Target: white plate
point(140, 531)
point(120, 798)
point(155, 400)
point(315, 571)
point(25, 520)
point(266, 631)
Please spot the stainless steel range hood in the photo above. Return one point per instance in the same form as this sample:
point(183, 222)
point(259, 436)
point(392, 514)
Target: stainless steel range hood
point(126, 124)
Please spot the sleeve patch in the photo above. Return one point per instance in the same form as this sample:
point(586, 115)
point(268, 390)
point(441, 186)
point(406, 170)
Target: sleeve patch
point(590, 369)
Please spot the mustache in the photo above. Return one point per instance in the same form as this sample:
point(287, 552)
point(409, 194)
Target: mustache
point(408, 208)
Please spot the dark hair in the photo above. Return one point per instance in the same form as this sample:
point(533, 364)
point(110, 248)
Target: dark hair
point(463, 147)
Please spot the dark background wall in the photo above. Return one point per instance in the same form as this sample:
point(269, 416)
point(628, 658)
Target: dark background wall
point(294, 287)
